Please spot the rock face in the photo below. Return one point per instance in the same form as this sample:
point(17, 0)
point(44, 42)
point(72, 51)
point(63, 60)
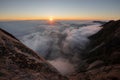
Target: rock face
point(106, 44)
point(17, 62)
point(103, 58)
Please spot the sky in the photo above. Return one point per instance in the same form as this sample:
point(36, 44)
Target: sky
point(60, 9)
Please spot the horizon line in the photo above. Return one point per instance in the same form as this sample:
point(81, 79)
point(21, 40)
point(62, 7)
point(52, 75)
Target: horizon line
point(53, 20)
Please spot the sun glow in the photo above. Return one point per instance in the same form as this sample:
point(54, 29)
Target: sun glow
point(51, 18)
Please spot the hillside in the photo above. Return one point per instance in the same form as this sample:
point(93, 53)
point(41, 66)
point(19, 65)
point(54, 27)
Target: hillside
point(18, 62)
point(102, 61)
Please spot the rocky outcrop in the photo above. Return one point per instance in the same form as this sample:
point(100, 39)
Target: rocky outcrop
point(103, 59)
point(18, 62)
point(106, 44)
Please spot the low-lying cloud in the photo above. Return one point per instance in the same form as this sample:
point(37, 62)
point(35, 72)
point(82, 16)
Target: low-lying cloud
point(63, 66)
point(61, 45)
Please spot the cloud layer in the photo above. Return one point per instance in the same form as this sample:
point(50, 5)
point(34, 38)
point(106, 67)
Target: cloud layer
point(61, 45)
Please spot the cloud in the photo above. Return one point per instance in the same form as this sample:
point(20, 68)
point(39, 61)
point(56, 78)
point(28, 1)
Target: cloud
point(77, 39)
point(61, 46)
point(63, 66)
point(89, 30)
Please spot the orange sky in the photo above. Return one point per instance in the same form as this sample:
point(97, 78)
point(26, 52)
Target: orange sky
point(60, 9)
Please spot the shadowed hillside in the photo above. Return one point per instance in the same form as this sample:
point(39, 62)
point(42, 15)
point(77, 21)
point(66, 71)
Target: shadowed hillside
point(17, 62)
point(102, 61)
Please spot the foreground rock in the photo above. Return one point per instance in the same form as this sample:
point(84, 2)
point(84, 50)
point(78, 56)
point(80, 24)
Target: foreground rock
point(17, 62)
point(103, 58)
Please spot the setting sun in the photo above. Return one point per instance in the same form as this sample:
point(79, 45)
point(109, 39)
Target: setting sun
point(51, 18)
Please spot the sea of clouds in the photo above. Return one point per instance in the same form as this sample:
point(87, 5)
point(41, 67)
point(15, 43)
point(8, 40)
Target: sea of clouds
point(60, 43)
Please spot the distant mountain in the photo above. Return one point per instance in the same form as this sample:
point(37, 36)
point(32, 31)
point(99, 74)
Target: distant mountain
point(102, 61)
point(100, 22)
point(18, 62)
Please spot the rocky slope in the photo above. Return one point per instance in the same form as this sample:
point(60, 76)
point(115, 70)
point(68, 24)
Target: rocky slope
point(17, 62)
point(103, 59)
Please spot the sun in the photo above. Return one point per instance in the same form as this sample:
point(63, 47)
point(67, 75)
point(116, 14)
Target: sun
point(51, 18)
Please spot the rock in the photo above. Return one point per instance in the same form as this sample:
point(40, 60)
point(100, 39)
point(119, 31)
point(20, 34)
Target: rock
point(109, 35)
point(103, 58)
point(18, 62)
point(97, 63)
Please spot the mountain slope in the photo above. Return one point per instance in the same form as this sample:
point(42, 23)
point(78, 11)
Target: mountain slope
point(17, 62)
point(103, 59)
